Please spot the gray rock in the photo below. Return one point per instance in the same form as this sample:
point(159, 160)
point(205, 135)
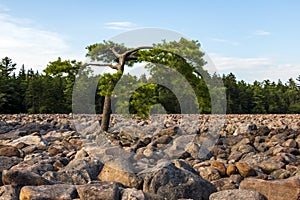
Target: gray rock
point(8, 162)
point(99, 191)
point(131, 194)
point(236, 195)
point(69, 177)
point(173, 183)
point(38, 167)
point(91, 166)
point(224, 184)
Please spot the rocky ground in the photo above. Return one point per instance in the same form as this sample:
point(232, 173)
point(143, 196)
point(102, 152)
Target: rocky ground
point(57, 157)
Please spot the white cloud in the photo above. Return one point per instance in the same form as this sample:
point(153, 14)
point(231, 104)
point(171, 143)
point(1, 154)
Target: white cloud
point(220, 40)
point(256, 68)
point(120, 25)
point(27, 45)
point(262, 33)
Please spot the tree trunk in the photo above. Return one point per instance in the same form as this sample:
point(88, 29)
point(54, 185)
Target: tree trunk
point(106, 113)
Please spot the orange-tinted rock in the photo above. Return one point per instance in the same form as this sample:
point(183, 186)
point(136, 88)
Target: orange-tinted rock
point(245, 170)
point(231, 169)
point(220, 167)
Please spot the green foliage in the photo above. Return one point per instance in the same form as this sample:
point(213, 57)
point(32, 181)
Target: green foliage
point(52, 92)
point(7, 86)
point(107, 83)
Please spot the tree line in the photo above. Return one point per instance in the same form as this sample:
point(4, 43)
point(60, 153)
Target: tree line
point(28, 91)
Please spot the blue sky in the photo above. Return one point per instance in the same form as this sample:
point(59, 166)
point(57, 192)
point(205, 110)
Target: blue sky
point(255, 40)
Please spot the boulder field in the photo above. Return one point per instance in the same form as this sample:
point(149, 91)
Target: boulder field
point(66, 156)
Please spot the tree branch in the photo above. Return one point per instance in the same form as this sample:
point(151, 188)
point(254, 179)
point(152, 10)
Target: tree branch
point(103, 65)
point(129, 52)
point(198, 73)
point(115, 52)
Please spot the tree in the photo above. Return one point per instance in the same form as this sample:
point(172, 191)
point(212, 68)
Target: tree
point(21, 84)
point(64, 71)
point(33, 95)
point(110, 53)
point(258, 98)
point(7, 86)
point(116, 56)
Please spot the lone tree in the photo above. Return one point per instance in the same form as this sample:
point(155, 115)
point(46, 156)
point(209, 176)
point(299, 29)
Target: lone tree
point(110, 52)
point(184, 56)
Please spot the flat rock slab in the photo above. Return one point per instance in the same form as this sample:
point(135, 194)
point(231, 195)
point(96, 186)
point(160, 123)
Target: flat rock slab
point(274, 190)
point(49, 192)
point(29, 140)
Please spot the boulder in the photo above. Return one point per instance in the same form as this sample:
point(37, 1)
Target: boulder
point(21, 178)
point(8, 162)
point(245, 170)
point(69, 177)
point(231, 169)
point(132, 194)
point(29, 140)
point(209, 173)
point(91, 166)
point(290, 143)
point(9, 151)
point(269, 166)
point(220, 166)
point(99, 191)
point(51, 192)
point(224, 184)
point(111, 173)
point(236, 195)
point(9, 192)
point(274, 190)
point(171, 182)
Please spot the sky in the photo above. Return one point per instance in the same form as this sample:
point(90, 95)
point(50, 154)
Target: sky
point(255, 40)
